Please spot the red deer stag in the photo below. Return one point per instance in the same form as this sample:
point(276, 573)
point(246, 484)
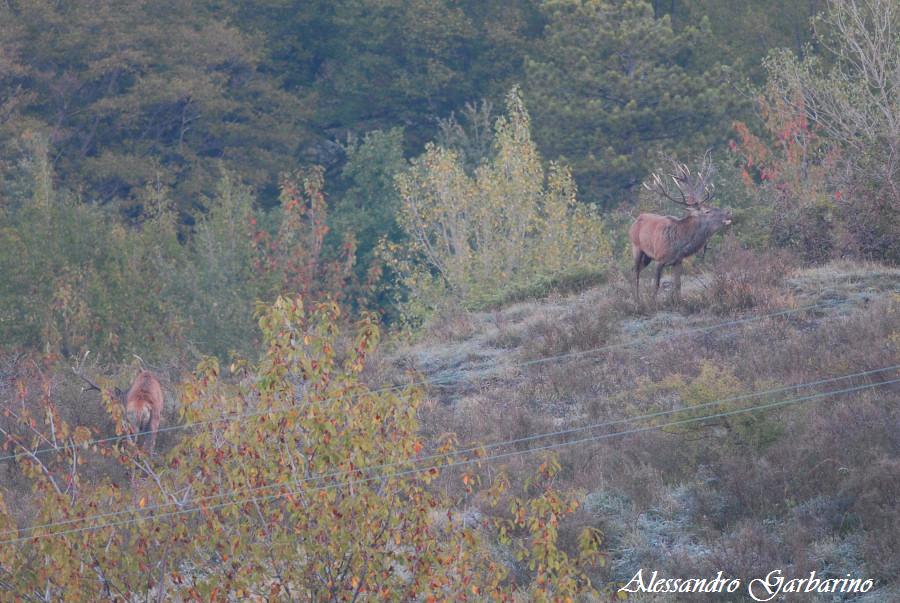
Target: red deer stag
point(143, 404)
point(668, 240)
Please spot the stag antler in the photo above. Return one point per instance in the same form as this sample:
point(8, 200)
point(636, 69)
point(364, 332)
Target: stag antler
point(689, 186)
point(78, 370)
point(656, 186)
point(704, 177)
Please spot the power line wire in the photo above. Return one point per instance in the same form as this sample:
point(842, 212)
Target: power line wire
point(500, 444)
point(445, 382)
point(207, 508)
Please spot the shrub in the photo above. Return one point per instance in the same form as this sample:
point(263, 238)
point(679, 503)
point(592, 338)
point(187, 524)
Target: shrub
point(235, 260)
point(556, 575)
point(585, 327)
point(790, 171)
point(849, 91)
point(296, 255)
point(741, 279)
point(321, 478)
point(868, 227)
point(219, 284)
point(475, 239)
point(291, 480)
point(875, 503)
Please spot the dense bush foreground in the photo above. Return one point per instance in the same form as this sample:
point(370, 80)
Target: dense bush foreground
point(297, 482)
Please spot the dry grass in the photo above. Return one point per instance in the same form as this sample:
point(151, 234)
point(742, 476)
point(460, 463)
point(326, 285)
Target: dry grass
point(805, 487)
point(741, 280)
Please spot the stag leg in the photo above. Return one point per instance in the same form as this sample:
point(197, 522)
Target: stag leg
point(641, 260)
point(638, 256)
point(132, 432)
point(676, 281)
point(154, 427)
point(659, 271)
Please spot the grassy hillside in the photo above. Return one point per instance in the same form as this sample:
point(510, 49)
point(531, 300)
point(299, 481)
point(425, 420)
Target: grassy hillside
point(810, 485)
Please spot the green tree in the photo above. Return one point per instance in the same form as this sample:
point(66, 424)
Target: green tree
point(368, 64)
point(407, 61)
point(610, 86)
point(220, 283)
point(75, 279)
point(509, 227)
point(368, 206)
point(470, 134)
point(128, 90)
point(239, 255)
point(745, 32)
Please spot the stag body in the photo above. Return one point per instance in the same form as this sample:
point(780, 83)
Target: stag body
point(144, 406)
point(668, 240)
point(143, 402)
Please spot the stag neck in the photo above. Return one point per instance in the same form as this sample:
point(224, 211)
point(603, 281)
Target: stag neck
point(693, 232)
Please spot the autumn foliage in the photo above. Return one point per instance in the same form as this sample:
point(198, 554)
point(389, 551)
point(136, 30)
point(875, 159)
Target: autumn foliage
point(295, 257)
point(791, 171)
point(292, 481)
point(510, 226)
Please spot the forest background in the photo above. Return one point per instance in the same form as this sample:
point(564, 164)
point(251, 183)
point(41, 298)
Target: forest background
point(151, 150)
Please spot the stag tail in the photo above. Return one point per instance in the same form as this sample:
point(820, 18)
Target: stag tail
point(139, 418)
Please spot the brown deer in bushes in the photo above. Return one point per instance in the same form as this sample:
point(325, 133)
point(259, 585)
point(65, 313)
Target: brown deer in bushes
point(668, 240)
point(143, 404)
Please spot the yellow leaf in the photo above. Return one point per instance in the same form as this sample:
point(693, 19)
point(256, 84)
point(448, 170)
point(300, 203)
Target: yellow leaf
point(142, 502)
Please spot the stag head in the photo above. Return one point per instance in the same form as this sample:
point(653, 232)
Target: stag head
point(693, 189)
